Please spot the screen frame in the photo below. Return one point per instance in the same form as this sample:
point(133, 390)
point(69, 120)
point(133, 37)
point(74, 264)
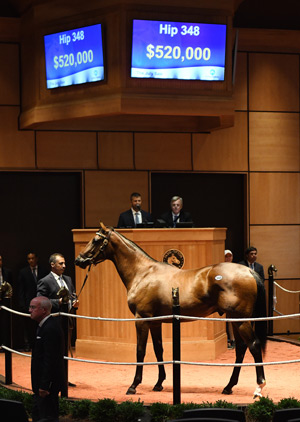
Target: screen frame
point(163, 69)
point(75, 27)
point(188, 87)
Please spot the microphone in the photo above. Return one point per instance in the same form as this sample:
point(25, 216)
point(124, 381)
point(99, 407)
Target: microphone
point(138, 207)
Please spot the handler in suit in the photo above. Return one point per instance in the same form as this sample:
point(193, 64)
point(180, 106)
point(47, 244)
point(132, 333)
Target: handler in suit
point(50, 285)
point(134, 216)
point(47, 362)
point(27, 290)
point(250, 261)
point(176, 214)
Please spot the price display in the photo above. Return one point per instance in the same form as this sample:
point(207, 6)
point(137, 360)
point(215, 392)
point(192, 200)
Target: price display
point(74, 56)
point(178, 50)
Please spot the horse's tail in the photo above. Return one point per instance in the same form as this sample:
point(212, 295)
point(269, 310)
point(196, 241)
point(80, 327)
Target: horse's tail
point(260, 310)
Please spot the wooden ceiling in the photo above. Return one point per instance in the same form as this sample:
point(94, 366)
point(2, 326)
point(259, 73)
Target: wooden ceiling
point(269, 14)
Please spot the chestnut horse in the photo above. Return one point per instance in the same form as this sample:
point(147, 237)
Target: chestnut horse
point(227, 288)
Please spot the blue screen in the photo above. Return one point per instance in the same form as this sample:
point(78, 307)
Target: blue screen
point(178, 50)
point(74, 57)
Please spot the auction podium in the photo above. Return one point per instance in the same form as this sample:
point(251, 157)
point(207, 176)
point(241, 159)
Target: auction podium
point(104, 295)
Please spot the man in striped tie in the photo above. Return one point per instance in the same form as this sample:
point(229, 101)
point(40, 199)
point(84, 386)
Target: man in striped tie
point(250, 261)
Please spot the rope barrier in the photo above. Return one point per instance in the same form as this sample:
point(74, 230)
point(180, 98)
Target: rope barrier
point(286, 290)
point(168, 362)
point(161, 317)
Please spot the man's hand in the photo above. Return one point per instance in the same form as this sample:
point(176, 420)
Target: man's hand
point(43, 393)
point(75, 304)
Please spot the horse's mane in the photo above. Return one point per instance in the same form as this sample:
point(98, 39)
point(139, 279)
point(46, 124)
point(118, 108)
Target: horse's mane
point(135, 246)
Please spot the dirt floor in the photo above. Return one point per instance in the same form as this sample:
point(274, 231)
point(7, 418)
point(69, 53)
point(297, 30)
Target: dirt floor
point(198, 383)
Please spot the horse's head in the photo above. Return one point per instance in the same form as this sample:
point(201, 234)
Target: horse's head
point(94, 252)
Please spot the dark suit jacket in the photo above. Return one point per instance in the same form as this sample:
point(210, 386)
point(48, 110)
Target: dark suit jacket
point(27, 286)
point(48, 287)
point(4, 316)
point(47, 363)
point(7, 275)
point(257, 268)
point(126, 219)
point(168, 218)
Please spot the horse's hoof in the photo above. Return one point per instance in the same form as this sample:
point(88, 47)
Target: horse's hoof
point(228, 392)
point(131, 390)
point(257, 394)
point(158, 388)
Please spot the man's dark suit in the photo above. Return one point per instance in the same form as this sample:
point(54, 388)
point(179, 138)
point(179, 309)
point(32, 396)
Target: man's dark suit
point(257, 268)
point(27, 285)
point(126, 219)
point(27, 290)
point(168, 217)
point(48, 287)
point(4, 316)
point(47, 369)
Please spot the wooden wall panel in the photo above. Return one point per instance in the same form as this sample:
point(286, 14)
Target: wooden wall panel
point(278, 245)
point(69, 150)
point(222, 150)
point(17, 148)
point(115, 150)
point(107, 194)
point(274, 142)
point(9, 74)
point(274, 198)
point(163, 151)
point(287, 304)
point(273, 82)
point(240, 83)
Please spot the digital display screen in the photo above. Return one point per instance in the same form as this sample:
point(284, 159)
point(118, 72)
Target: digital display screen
point(178, 50)
point(74, 57)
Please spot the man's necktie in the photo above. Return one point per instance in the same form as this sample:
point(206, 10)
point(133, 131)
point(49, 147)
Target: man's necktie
point(175, 220)
point(34, 274)
point(136, 219)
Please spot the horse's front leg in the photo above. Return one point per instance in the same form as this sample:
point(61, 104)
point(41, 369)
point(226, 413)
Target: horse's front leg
point(142, 330)
point(158, 349)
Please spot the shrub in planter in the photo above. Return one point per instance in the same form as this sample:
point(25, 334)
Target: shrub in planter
point(103, 411)
point(223, 404)
point(160, 412)
point(261, 411)
point(80, 409)
point(288, 403)
point(64, 406)
point(129, 411)
point(22, 396)
point(177, 410)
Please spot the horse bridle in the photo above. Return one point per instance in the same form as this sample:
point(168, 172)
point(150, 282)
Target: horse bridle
point(104, 243)
point(101, 249)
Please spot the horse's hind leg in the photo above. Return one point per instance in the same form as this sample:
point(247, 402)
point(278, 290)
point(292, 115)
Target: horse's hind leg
point(142, 330)
point(158, 349)
point(240, 350)
point(255, 350)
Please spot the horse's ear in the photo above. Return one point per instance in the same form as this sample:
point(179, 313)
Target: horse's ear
point(103, 227)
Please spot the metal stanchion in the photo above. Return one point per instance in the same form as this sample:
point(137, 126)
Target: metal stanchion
point(271, 270)
point(176, 348)
point(65, 326)
point(8, 342)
